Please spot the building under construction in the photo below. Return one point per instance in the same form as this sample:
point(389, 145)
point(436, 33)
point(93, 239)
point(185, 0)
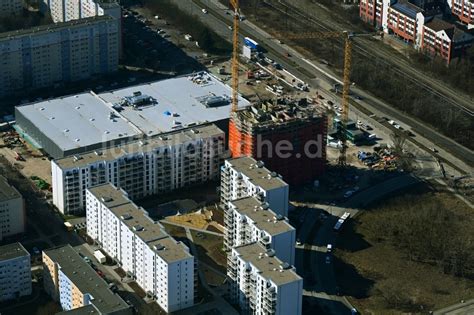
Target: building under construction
point(289, 136)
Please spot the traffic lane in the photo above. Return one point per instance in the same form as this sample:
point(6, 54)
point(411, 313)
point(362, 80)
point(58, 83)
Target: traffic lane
point(457, 149)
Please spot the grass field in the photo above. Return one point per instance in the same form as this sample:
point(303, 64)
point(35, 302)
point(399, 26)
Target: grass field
point(381, 276)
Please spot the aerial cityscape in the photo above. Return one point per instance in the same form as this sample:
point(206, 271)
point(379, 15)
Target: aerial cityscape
point(263, 157)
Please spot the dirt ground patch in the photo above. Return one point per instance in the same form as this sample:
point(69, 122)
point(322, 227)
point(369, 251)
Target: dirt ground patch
point(210, 251)
point(174, 231)
point(380, 277)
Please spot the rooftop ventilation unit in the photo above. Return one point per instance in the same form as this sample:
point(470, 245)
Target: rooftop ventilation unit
point(158, 247)
point(285, 266)
point(216, 101)
point(260, 164)
point(270, 253)
point(138, 99)
point(137, 228)
point(125, 216)
point(106, 199)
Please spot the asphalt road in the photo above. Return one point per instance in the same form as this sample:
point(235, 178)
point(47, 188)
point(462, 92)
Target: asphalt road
point(320, 76)
point(435, 86)
point(326, 285)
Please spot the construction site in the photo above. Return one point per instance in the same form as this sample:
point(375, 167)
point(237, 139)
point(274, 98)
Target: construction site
point(264, 130)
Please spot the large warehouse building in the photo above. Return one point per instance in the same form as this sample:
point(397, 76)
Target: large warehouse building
point(85, 122)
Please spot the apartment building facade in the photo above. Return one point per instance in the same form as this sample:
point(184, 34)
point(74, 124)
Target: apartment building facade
point(11, 7)
point(12, 210)
point(244, 176)
point(249, 220)
point(161, 266)
point(72, 282)
point(406, 21)
point(263, 284)
point(375, 12)
point(146, 167)
point(52, 54)
point(67, 10)
point(15, 272)
point(463, 10)
point(444, 40)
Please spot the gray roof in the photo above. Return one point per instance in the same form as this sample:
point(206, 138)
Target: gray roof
point(54, 27)
point(84, 119)
point(110, 154)
point(407, 9)
point(86, 279)
point(7, 192)
point(264, 219)
point(85, 310)
point(150, 232)
point(258, 175)
point(269, 267)
point(13, 250)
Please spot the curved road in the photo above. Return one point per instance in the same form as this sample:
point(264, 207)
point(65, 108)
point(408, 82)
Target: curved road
point(326, 285)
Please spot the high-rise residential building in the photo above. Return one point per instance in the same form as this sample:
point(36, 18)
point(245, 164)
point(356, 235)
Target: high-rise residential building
point(64, 52)
point(290, 137)
point(15, 272)
point(145, 167)
point(244, 176)
point(263, 284)
point(12, 210)
point(248, 220)
point(72, 282)
point(11, 7)
point(67, 10)
point(161, 266)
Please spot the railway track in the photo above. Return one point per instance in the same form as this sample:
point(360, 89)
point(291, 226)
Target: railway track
point(366, 47)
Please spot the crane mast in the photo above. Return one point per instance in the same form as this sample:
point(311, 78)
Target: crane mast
point(235, 56)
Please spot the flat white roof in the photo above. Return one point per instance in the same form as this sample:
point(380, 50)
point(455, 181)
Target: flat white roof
point(84, 119)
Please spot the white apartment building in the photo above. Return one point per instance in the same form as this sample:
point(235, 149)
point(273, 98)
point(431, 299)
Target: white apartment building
point(12, 210)
point(249, 220)
point(10, 7)
point(67, 10)
point(72, 282)
point(146, 167)
point(161, 266)
point(51, 54)
point(244, 176)
point(15, 272)
point(263, 284)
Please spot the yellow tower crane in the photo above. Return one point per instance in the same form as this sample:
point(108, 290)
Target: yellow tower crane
point(235, 56)
point(347, 36)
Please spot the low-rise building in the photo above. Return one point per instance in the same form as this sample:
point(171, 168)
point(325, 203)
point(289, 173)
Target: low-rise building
point(12, 210)
point(463, 10)
point(161, 266)
point(144, 167)
point(46, 55)
point(72, 282)
point(15, 272)
point(11, 7)
point(244, 176)
point(249, 220)
point(406, 20)
point(263, 284)
point(445, 40)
